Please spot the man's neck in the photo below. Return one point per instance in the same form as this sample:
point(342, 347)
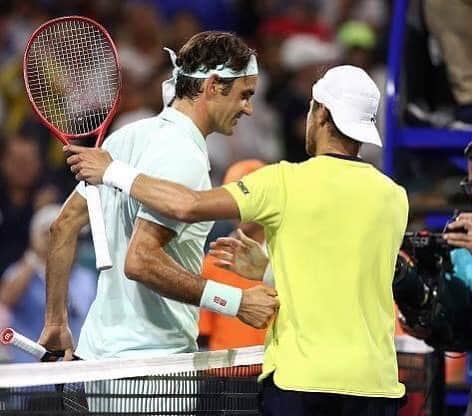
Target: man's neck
point(335, 147)
point(197, 112)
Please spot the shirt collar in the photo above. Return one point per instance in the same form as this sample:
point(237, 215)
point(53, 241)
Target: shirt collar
point(345, 157)
point(176, 116)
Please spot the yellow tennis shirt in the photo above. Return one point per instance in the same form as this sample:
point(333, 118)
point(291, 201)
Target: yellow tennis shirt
point(334, 227)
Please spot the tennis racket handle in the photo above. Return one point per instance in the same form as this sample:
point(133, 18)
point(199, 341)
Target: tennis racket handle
point(9, 337)
point(97, 225)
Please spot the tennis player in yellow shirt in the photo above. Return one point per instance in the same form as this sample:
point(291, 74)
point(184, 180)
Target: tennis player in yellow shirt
point(334, 225)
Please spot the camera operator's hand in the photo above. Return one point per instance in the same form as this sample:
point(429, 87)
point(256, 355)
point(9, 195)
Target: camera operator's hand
point(459, 232)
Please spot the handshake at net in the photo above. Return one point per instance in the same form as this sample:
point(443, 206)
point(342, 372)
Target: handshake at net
point(246, 257)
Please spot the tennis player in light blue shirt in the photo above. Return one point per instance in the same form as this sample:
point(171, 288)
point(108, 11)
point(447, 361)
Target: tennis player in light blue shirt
point(126, 316)
point(146, 305)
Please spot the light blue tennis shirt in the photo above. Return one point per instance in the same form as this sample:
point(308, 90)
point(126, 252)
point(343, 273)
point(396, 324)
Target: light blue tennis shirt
point(127, 319)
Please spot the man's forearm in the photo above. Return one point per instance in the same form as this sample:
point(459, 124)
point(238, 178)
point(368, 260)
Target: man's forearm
point(168, 198)
point(182, 203)
point(63, 238)
point(62, 246)
point(162, 274)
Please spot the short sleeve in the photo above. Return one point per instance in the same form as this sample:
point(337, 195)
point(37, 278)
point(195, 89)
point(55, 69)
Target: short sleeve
point(260, 196)
point(80, 189)
point(170, 161)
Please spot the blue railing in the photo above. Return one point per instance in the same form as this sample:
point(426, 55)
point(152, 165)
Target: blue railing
point(397, 134)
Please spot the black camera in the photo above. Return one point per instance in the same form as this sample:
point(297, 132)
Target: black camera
point(428, 294)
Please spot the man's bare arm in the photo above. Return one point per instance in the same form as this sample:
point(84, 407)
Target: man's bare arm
point(168, 198)
point(148, 263)
point(63, 238)
point(179, 202)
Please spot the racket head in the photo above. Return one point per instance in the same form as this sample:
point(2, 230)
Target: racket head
point(72, 77)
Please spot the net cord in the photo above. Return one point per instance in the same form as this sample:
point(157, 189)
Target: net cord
point(36, 374)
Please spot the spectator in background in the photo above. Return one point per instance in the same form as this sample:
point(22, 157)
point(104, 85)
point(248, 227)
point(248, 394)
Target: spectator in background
point(133, 105)
point(304, 57)
point(462, 257)
point(140, 41)
point(217, 331)
point(449, 23)
point(12, 95)
point(22, 287)
point(21, 169)
point(374, 12)
point(358, 42)
point(297, 17)
point(184, 25)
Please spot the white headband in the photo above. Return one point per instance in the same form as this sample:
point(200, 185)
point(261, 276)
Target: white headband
point(168, 87)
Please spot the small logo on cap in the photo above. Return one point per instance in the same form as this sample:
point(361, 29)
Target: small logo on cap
point(373, 119)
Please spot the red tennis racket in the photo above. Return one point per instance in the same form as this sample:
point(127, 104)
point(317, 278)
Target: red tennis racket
point(73, 80)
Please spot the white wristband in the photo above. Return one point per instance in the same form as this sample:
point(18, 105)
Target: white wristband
point(221, 298)
point(120, 175)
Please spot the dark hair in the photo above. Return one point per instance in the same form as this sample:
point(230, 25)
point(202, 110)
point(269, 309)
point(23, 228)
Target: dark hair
point(208, 50)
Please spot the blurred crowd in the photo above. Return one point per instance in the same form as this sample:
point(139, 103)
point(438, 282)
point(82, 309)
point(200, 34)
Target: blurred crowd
point(296, 41)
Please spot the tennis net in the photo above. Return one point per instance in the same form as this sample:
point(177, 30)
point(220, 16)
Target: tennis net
point(202, 383)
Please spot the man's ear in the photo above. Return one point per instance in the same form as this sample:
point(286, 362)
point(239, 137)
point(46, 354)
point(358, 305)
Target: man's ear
point(211, 86)
point(323, 115)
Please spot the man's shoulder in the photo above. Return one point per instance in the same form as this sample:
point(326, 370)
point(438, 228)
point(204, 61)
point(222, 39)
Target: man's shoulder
point(388, 181)
point(129, 130)
point(148, 133)
point(392, 191)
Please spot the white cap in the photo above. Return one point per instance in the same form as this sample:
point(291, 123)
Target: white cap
point(352, 99)
point(302, 50)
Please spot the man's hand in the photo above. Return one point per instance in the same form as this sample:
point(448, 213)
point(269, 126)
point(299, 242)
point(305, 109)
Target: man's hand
point(460, 239)
point(241, 255)
point(258, 306)
point(58, 338)
point(88, 163)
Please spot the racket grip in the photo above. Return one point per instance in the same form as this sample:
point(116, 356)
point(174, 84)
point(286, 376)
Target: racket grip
point(9, 337)
point(97, 225)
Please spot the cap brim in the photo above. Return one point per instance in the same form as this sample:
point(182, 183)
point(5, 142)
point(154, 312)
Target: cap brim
point(362, 132)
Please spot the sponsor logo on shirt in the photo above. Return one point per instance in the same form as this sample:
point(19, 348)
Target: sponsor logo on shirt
point(243, 188)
